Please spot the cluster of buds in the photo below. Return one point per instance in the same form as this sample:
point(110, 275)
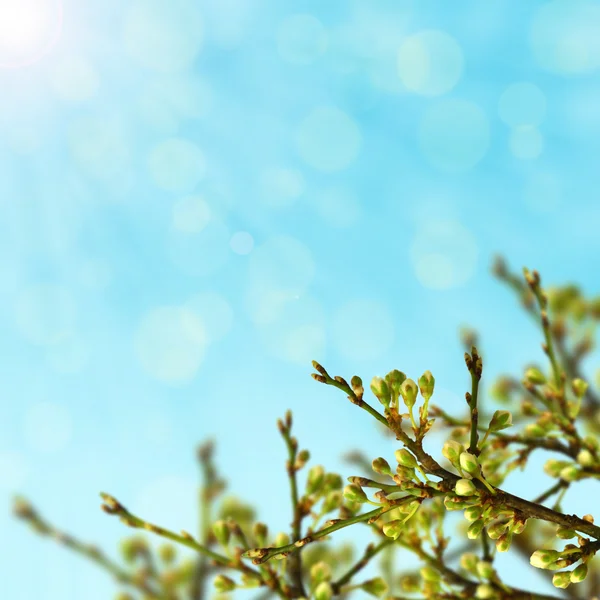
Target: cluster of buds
point(468, 466)
point(553, 560)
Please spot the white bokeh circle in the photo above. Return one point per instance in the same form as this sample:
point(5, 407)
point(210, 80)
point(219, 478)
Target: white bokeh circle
point(177, 165)
point(44, 313)
point(74, 79)
point(301, 39)
point(14, 470)
point(363, 329)
point(48, 426)
point(280, 187)
point(241, 242)
point(170, 344)
point(69, 354)
point(214, 311)
point(454, 135)
point(522, 103)
point(328, 139)
point(543, 192)
point(565, 36)
point(338, 206)
point(191, 214)
point(164, 35)
point(526, 142)
point(430, 62)
point(443, 254)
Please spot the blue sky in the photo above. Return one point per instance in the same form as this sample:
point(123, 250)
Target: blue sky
point(199, 197)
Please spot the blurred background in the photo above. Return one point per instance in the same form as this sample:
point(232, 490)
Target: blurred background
point(199, 197)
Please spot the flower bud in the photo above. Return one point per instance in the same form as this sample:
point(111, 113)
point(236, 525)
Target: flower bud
point(355, 493)
point(485, 591)
point(469, 561)
point(465, 487)
point(357, 386)
point(502, 419)
point(565, 534)
point(405, 458)
point(381, 466)
point(426, 385)
point(455, 503)
point(485, 569)
point(409, 389)
point(542, 559)
point(535, 376)
point(314, 481)
point(302, 458)
point(410, 584)
point(395, 379)
point(534, 430)
point(222, 532)
point(503, 542)
point(452, 451)
point(553, 467)
point(323, 591)
point(381, 390)
point(562, 579)
point(579, 387)
point(393, 528)
point(579, 573)
point(223, 584)
point(167, 553)
point(376, 587)
point(333, 481)
point(475, 529)
point(332, 501)
point(319, 572)
point(469, 463)
point(260, 532)
point(250, 580)
point(472, 513)
point(585, 458)
point(569, 473)
point(430, 574)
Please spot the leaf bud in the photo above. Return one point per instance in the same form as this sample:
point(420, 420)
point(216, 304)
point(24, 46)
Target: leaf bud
point(314, 481)
point(302, 458)
point(409, 389)
point(405, 458)
point(426, 385)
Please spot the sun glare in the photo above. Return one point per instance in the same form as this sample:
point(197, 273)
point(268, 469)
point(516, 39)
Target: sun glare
point(28, 29)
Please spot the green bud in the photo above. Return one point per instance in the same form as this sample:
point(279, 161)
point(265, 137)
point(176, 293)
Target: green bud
point(222, 532)
point(562, 579)
point(393, 528)
point(534, 430)
point(260, 532)
point(565, 534)
point(579, 573)
point(542, 559)
point(503, 542)
point(569, 473)
point(376, 587)
point(333, 501)
point(302, 458)
point(281, 539)
point(485, 569)
point(381, 390)
point(395, 379)
point(320, 572)
point(485, 591)
point(496, 529)
point(333, 481)
point(452, 451)
point(502, 419)
point(357, 385)
point(381, 466)
point(410, 584)
point(469, 463)
point(591, 442)
point(469, 562)
point(430, 574)
point(585, 458)
point(315, 479)
point(223, 584)
point(323, 591)
point(355, 493)
point(250, 580)
point(465, 487)
point(409, 389)
point(475, 529)
point(553, 467)
point(454, 503)
point(472, 513)
point(426, 384)
point(167, 553)
point(535, 376)
point(405, 458)
point(579, 387)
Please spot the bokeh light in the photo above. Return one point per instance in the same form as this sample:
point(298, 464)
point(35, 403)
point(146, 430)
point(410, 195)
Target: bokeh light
point(301, 39)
